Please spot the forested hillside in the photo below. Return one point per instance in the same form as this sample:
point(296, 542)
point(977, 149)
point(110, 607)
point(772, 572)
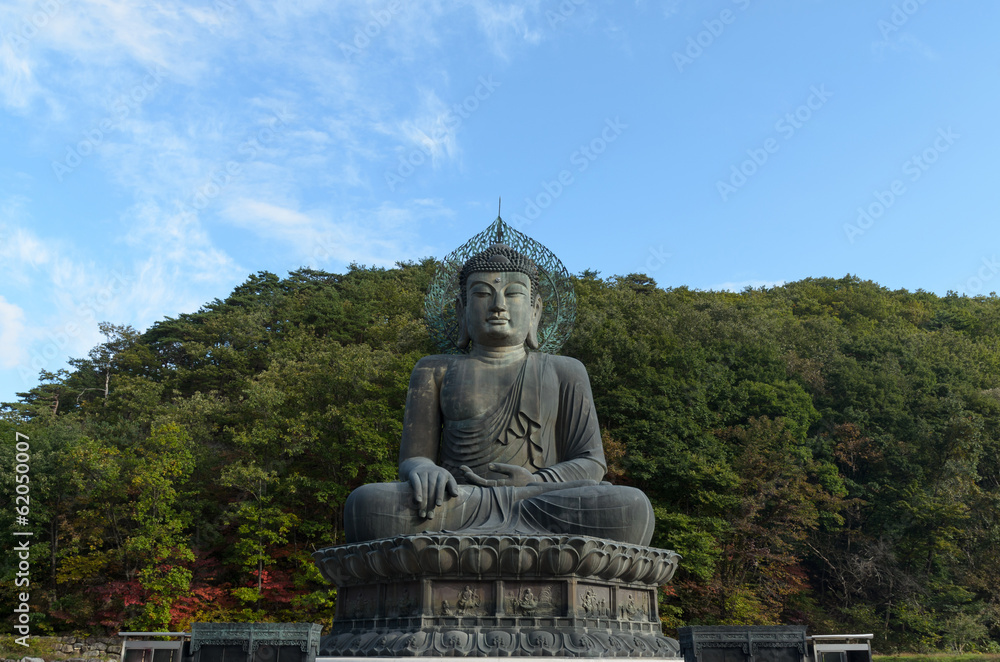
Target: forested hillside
point(826, 452)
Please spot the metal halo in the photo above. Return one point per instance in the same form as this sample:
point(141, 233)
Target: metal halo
point(556, 289)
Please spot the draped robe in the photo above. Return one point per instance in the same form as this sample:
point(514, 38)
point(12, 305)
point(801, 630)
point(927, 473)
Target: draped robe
point(546, 422)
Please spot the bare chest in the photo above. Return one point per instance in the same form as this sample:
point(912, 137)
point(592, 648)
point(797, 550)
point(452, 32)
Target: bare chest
point(471, 388)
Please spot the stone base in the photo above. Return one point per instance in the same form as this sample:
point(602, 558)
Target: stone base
point(510, 642)
point(743, 643)
point(447, 595)
point(514, 658)
point(254, 642)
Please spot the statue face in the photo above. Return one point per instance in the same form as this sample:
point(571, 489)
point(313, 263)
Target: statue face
point(499, 311)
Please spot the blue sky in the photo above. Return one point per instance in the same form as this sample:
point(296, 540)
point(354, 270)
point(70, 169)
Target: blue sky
point(152, 155)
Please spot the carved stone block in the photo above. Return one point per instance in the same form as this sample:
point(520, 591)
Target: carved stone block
point(443, 595)
point(254, 642)
point(747, 643)
point(460, 599)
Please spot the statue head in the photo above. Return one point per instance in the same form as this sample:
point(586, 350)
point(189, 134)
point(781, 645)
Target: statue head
point(499, 302)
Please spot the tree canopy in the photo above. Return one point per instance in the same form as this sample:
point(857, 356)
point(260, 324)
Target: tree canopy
point(825, 452)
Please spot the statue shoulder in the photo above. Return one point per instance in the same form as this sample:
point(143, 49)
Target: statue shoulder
point(435, 360)
point(434, 365)
point(568, 368)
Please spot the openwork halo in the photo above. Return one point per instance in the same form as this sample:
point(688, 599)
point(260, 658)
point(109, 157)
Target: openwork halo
point(554, 284)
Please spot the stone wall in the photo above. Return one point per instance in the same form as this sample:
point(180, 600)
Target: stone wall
point(76, 649)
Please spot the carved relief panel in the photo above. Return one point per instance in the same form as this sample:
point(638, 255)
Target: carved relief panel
point(634, 605)
point(534, 599)
point(594, 601)
point(462, 599)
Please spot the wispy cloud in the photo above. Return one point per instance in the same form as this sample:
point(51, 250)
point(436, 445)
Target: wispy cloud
point(13, 349)
point(506, 25)
point(432, 130)
point(156, 104)
point(61, 297)
point(17, 80)
point(379, 236)
point(175, 248)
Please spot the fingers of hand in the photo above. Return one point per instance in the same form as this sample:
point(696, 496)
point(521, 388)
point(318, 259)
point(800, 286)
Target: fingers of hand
point(472, 476)
point(430, 482)
point(438, 494)
point(505, 469)
point(418, 494)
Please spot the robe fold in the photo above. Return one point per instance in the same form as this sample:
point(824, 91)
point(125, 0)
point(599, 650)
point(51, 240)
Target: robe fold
point(557, 438)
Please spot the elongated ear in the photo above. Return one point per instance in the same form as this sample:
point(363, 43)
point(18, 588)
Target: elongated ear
point(463, 329)
point(536, 316)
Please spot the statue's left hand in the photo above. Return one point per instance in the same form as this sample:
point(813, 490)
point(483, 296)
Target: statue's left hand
point(516, 476)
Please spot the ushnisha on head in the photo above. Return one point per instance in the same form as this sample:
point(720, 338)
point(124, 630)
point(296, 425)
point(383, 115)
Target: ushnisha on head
point(499, 258)
point(499, 301)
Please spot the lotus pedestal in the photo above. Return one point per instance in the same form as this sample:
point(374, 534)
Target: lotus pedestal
point(517, 596)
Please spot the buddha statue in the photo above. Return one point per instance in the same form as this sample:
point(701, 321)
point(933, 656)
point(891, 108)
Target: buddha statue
point(501, 524)
point(500, 439)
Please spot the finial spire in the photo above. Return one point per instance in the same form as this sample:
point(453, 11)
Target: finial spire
point(499, 226)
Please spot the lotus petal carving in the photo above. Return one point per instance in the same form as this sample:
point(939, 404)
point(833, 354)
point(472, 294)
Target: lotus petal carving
point(439, 559)
point(378, 562)
point(639, 644)
point(582, 645)
point(496, 643)
point(662, 571)
point(560, 560)
point(355, 565)
point(331, 568)
point(641, 565)
point(593, 562)
point(416, 644)
point(454, 642)
point(403, 560)
point(505, 556)
point(518, 559)
point(540, 642)
point(618, 564)
point(479, 560)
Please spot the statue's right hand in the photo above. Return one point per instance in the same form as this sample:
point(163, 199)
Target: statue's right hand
point(431, 486)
